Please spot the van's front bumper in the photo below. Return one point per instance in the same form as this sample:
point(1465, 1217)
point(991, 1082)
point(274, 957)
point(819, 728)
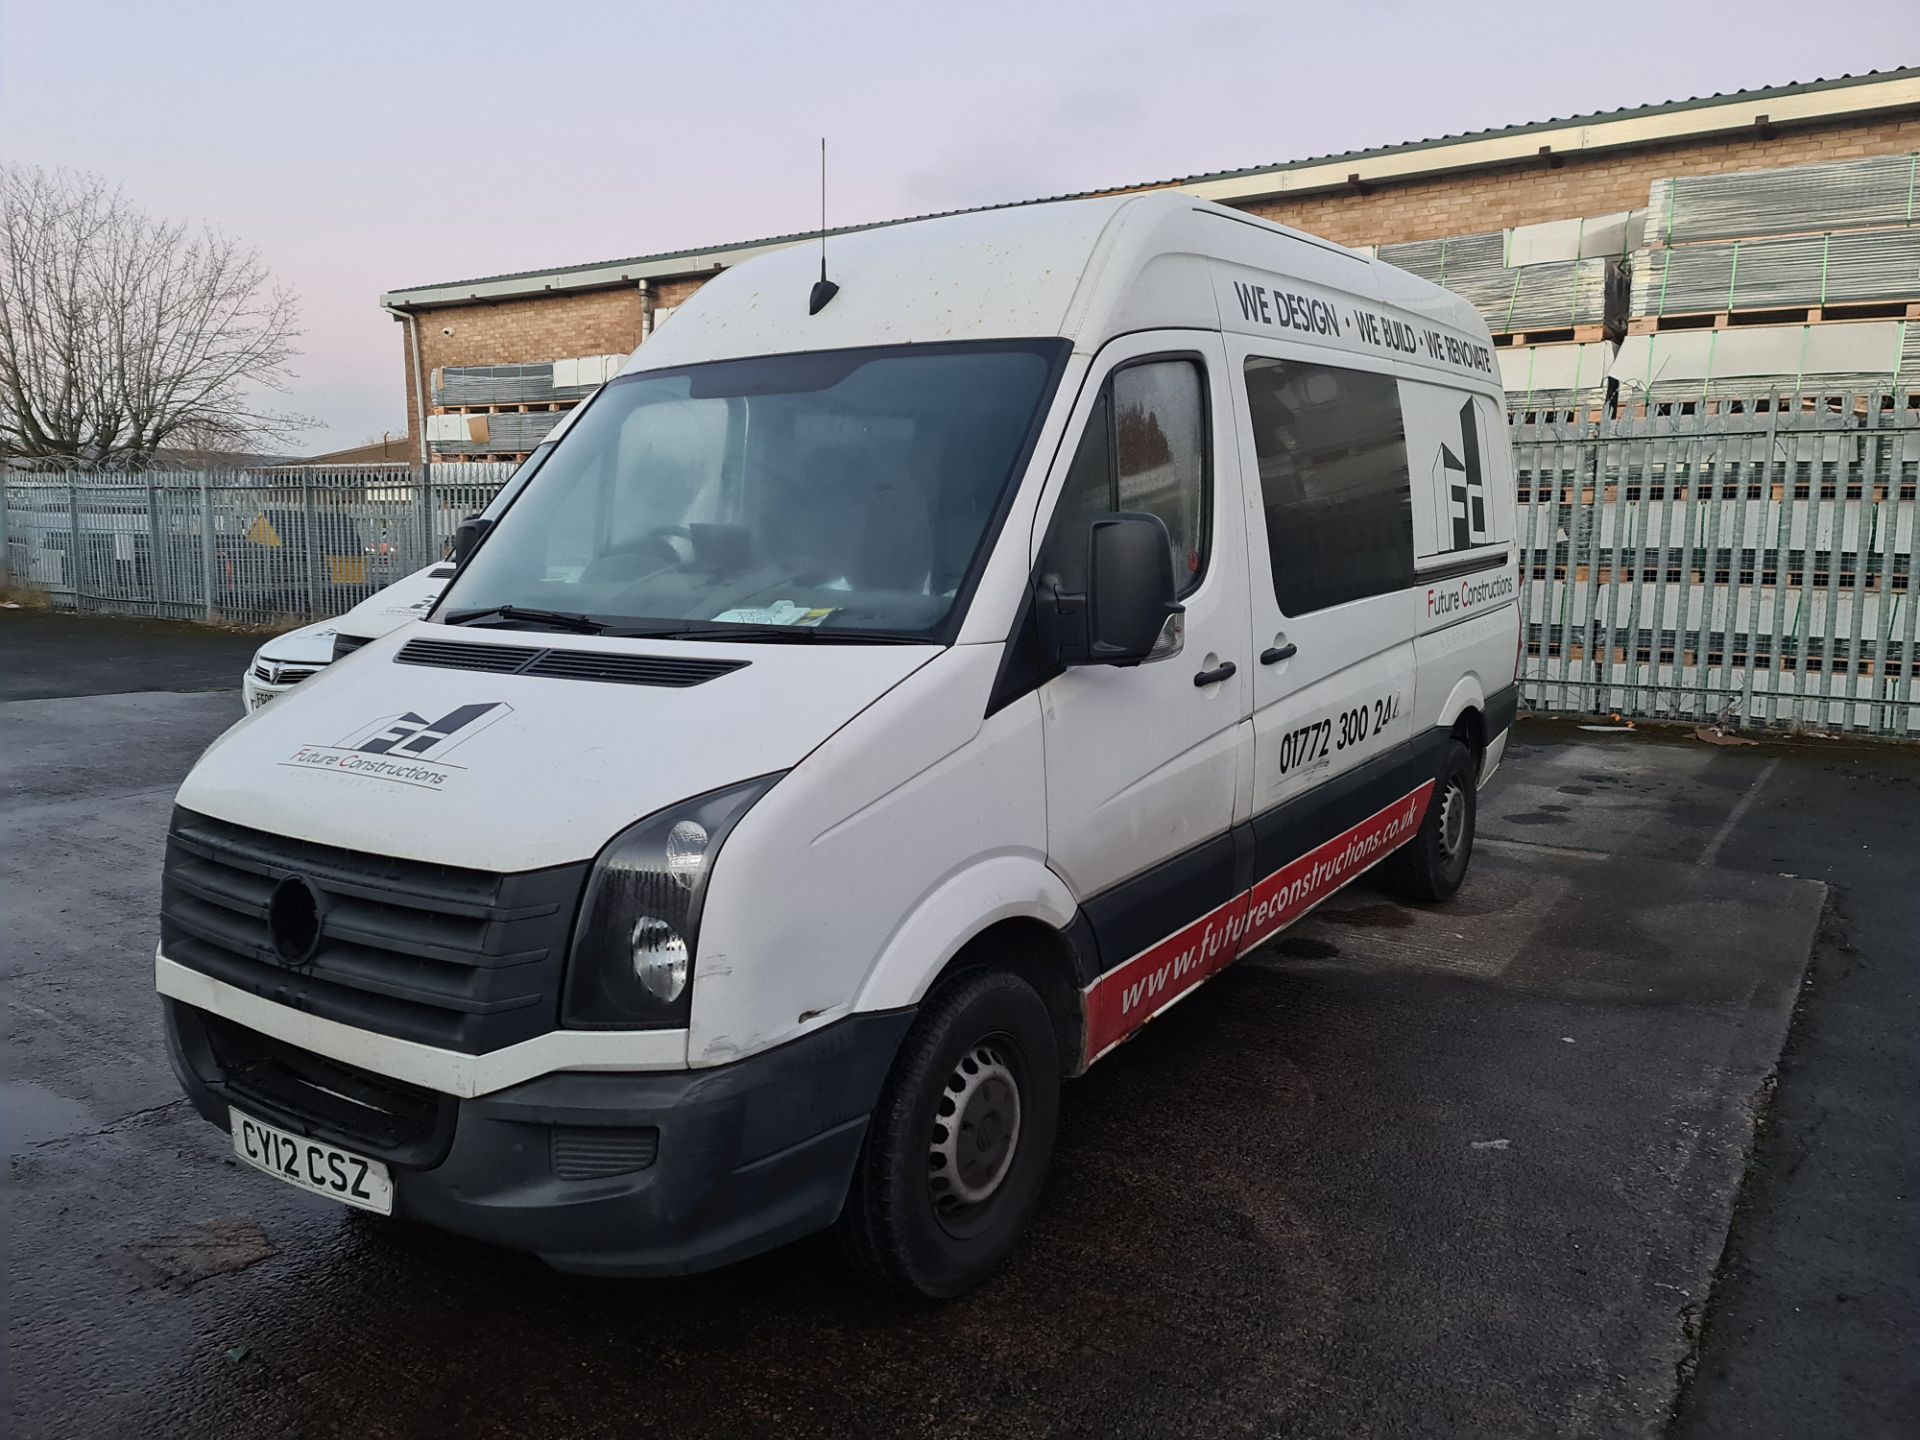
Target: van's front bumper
point(743, 1157)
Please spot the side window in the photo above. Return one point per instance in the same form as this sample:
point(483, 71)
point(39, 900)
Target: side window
point(1333, 478)
point(1144, 449)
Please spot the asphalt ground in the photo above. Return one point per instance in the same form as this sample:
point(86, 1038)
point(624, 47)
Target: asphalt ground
point(46, 654)
point(1463, 1171)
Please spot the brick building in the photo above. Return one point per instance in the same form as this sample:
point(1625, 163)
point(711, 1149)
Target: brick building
point(490, 363)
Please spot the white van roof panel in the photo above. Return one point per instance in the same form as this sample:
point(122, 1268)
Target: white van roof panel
point(1083, 269)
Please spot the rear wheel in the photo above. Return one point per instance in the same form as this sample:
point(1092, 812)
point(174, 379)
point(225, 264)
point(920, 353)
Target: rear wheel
point(957, 1149)
point(1431, 866)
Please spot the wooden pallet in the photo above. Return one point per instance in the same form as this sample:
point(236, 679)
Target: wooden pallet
point(1563, 335)
point(1785, 315)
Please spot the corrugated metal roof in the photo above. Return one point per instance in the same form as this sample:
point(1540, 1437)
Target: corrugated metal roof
point(654, 261)
point(1630, 112)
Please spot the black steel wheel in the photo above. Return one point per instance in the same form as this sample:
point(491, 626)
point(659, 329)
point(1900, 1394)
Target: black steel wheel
point(957, 1149)
point(1431, 866)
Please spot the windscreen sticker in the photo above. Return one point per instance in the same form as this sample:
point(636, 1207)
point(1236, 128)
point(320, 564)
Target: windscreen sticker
point(781, 612)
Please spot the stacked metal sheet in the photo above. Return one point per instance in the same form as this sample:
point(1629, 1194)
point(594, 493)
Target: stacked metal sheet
point(1871, 193)
point(1554, 293)
point(506, 384)
point(1545, 297)
point(1807, 236)
point(1848, 267)
point(1873, 356)
point(1556, 377)
point(508, 432)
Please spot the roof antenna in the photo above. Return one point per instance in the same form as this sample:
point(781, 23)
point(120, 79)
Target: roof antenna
point(823, 288)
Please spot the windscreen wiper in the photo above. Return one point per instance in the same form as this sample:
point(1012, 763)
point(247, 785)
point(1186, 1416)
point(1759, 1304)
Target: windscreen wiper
point(584, 624)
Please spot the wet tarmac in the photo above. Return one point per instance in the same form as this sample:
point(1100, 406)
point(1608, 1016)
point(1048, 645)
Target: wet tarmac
point(1462, 1171)
point(48, 654)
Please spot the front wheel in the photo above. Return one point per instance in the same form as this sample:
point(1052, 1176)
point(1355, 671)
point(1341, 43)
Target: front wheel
point(1431, 866)
point(957, 1149)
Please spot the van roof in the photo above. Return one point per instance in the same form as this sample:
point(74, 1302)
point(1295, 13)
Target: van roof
point(1084, 270)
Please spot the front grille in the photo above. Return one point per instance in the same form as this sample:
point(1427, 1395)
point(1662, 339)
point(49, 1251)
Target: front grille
point(283, 674)
point(330, 1100)
point(579, 1153)
point(461, 959)
point(674, 671)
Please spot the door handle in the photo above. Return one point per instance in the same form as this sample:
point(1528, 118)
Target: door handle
point(1214, 676)
point(1273, 655)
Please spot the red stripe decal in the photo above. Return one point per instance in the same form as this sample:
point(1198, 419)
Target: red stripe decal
point(1292, 890)
point(1126, 997)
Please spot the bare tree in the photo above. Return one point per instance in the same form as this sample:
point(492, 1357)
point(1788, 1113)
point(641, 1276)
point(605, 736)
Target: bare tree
point(121, 334)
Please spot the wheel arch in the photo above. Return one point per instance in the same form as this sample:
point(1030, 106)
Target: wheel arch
point(1010, 913)
point(1464, 716)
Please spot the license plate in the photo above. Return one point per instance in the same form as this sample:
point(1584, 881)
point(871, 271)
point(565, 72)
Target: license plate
point(260, 697)
point(312, 1165)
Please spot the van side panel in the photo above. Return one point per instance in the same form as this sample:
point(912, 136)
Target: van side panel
point(1466, 615)
point(916, 804)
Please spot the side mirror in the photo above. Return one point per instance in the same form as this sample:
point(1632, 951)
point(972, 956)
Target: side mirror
point(466, 535)
point(1129, 595)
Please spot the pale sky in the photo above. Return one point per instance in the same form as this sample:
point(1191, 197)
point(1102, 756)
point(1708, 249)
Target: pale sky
point(369, 146)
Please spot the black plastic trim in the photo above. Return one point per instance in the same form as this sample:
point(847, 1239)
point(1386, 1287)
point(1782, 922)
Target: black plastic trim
point(751, 1154)
point(1023, 662)
point(1139, 912)
point(677, 672)
point(1502, 707)
point(1289, 830)
point(1456, 568)
point(305, 1093)
point(345, 644)
point(461, 959)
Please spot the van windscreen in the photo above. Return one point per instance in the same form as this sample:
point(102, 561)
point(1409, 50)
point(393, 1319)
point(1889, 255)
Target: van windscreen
point(850, 492)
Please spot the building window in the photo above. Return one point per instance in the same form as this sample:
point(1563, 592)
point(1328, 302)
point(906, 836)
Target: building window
point(1333, 477)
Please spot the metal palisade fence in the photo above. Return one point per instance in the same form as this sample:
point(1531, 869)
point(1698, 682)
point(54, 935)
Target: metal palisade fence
point(253, 547)
point(1750, 558)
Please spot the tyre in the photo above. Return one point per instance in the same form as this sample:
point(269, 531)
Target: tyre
point(1431, 866)
point(957, 1149)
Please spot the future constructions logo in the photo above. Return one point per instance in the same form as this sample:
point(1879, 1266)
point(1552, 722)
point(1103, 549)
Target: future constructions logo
point(407, 748)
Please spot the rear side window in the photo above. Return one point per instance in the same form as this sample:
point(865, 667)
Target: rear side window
point(1333, 478)
point(1144, 450)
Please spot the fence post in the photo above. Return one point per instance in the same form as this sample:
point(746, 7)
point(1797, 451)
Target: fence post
point(74, 557)
point(6, 545)
point(312, 524)
point(206, 541)
point(156, 569)
point(428, 552)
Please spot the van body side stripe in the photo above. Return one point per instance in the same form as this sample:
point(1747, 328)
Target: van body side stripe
point(1292, 890)
point(1129, 995)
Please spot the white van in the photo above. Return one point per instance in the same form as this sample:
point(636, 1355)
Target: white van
point(287, 659)
point(284, 661)
point(880, 705)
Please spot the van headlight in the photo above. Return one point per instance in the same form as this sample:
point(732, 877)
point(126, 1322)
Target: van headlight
point(633, 950)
